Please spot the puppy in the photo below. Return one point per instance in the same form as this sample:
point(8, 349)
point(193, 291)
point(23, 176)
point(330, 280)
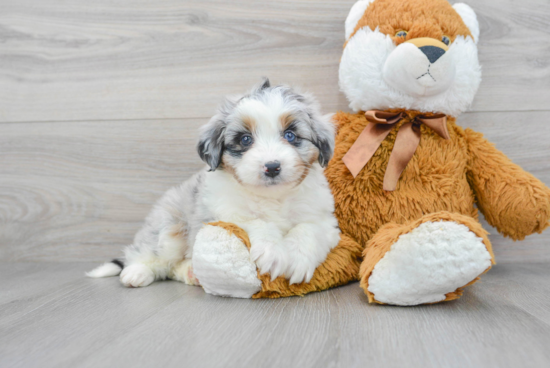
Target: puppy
point(266, 152)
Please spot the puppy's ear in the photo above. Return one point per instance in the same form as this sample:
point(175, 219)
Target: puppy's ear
point(324, 137)
point(265, 84)
point(210, 146)
point(322, 127)
point(212, 136)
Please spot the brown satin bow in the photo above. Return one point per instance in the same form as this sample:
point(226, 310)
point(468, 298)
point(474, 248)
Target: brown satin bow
point(406, 142)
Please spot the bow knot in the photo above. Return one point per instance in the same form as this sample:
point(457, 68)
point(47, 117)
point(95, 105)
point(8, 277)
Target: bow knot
point(406, 142)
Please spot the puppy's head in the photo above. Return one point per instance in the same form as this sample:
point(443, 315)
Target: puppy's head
point(269, 137)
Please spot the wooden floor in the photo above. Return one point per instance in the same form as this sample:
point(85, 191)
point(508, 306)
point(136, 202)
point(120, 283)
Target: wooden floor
point(100, 102)
point(53, 317)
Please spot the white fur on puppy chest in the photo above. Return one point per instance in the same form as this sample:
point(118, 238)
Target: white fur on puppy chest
point(432, 260)
point(222, 264)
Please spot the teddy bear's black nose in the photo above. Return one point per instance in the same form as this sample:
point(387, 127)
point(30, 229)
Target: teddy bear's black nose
point(433, 53)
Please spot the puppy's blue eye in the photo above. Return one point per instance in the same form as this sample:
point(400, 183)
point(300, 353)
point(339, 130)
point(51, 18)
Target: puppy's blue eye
point(246, 140)
point(290, 136)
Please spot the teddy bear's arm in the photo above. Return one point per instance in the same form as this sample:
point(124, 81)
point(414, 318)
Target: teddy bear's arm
point(512, 200)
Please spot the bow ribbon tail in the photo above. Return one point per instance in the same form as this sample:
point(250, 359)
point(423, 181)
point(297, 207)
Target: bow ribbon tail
point(365, 146)
point(379, 126)
point(437, 123)
point(406, 142)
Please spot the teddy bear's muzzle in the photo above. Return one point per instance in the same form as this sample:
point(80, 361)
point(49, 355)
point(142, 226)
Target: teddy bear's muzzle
point(420, 67)
point(430, 46)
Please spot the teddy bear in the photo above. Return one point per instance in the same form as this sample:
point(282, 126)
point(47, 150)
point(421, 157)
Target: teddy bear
point(406, 178)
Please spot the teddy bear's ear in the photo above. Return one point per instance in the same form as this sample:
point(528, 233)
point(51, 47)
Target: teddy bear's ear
point(355, 14)
point(469, 17)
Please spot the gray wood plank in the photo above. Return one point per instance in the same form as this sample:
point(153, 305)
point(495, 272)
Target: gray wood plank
point(529, 296)
point(57, 318)
point(499, 322)
point(75, 189)
point(174, 59)
point(79, 191)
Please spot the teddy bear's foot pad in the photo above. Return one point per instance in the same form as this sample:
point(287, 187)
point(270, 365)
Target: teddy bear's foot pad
point(424, 265)
point(222, 264)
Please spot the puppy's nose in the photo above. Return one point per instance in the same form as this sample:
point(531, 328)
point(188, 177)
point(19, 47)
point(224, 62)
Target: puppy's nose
point(432, 52)
point(272, 169)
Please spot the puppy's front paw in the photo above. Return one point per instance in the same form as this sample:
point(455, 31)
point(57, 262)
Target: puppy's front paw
point(300, 268)
point(270, 257)
point(136, 275)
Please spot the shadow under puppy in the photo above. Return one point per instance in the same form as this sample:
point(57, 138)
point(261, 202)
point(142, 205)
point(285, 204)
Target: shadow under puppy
point(266, 152)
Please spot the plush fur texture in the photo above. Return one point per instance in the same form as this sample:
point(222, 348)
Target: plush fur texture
point(266, 151)
point(513, 201)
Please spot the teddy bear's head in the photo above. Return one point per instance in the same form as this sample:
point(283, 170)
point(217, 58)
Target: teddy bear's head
point(410, 54)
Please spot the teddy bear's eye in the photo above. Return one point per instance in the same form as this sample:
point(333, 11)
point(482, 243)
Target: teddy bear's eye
point(446, 40)
point(401, 34)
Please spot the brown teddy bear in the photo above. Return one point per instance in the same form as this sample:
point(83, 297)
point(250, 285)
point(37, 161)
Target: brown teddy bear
point(405, 177)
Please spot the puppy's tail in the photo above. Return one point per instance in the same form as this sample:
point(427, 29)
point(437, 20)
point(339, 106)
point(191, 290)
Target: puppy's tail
point(108, 269)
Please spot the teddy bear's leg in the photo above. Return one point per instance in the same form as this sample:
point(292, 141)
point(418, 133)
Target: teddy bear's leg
point(425, 261)
point(221, 262)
